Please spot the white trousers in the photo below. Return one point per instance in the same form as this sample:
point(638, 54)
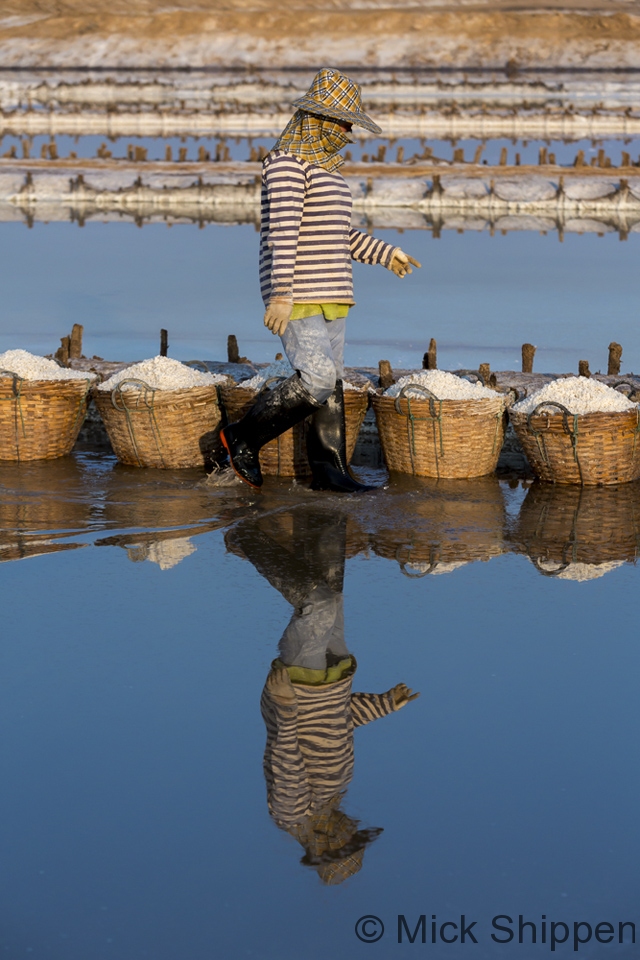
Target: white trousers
point(315, 348)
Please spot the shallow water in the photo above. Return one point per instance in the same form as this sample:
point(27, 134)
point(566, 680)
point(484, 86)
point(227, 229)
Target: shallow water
point(142, 611)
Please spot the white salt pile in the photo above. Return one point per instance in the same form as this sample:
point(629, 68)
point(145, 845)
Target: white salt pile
point(279, 368)
point(162, 373)
point(282, 368)
point(417, 567)
point(580, 572)
point(31, 367)
point(443, 385)
point(578, 395)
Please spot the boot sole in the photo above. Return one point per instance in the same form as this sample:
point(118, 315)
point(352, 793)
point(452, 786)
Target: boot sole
point(253, 486)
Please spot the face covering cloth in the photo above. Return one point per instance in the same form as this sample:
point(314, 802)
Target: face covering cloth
point(316, 139)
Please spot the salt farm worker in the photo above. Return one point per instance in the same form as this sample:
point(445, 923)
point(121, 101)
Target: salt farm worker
point(307, 704)
point(306, 248)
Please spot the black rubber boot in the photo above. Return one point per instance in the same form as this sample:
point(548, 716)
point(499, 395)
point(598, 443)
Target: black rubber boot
point(273, 412)
point(327, 449)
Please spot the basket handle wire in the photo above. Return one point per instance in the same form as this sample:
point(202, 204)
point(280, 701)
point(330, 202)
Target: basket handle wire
point(633, 388)
point(433, 562)
point(411, 418)
point(147, 396)
point(549, 573)
point(573, 433)
point(197, 364)
point(17, 381)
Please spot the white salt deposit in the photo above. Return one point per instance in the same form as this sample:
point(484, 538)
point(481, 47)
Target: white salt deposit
point(279, 368)
point(32, 367)
point(162, 373)
point(443, 385)
point(417, 568)
point(580, 572)
point(578, 395)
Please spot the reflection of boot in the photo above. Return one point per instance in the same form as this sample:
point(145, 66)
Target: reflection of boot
point(316, 555)
point(273, 412)
point(327, 448)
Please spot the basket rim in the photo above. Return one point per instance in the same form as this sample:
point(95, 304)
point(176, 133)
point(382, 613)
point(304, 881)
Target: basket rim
point(596, 415)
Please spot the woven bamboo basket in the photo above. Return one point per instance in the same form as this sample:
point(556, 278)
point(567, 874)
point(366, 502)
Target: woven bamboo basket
point(448, 523)
point(589, 448)
point(577, 524)
point(40, 419)
point(168, 429)
point(286, 456)
point(453, 439)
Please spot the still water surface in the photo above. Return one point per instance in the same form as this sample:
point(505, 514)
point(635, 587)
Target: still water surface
point(138, 819)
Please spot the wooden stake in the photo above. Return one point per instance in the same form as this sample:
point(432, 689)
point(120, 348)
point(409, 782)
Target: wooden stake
point(579, 160)
point(386, 374)
point(503, 157)
point(430, 358)
point(62, 353)
point(478, 153)
point(583, 368)
point(75, 341)
point(528, 353)
point(485, 371)
point(233, 354)
point(164, 342)
point(615, 356)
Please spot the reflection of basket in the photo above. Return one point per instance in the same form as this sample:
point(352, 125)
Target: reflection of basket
point(286, 456)
point(565, 525)
point(440, 438)
point(588, 448)
point(448, 523)
point(40, 419)
point(161, 428)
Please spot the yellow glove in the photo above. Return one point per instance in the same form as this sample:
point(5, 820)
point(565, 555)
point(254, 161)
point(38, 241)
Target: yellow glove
point(401, 263)
point(402, 695)
point(277, 316)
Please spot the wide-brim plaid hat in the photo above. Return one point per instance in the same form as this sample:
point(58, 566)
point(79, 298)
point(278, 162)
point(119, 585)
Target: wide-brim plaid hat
point(333, 95)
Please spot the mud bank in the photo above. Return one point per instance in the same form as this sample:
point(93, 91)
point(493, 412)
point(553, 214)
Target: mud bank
point(420, 34)
point(454, 197)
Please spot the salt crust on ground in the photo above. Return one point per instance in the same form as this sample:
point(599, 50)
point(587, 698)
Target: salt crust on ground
point(162, 373)
point(443, 385)
point(280, 368)
point(32, 367)
point(578, 395)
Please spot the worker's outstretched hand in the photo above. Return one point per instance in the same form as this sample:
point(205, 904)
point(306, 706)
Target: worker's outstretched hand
point(402, 695)
point(277, 316)
point(401, 263)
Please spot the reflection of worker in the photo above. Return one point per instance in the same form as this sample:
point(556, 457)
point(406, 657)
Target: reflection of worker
point(307, 704)
point(306, 248)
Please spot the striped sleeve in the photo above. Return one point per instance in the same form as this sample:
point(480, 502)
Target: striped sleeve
point(368, 249)
point(288, 791)
point(366, 707)
point(284, 185)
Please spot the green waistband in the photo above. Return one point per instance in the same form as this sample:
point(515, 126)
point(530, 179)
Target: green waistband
point(330, 311)
point(318, 678)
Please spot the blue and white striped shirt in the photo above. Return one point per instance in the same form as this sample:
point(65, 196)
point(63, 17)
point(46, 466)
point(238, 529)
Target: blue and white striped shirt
point(306, 240)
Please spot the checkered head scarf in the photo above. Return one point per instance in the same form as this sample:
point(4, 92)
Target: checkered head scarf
point(314, 132)
point(313, 138)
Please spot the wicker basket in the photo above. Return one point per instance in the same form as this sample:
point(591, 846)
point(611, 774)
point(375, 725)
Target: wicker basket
point(453, 439)
point(162, 428)
point(441, 524)
point(571, 524)
point(589, 448)
point(40, 419)
point(286, 456)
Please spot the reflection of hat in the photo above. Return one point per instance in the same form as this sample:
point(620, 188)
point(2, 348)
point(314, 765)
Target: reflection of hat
point(333, 95)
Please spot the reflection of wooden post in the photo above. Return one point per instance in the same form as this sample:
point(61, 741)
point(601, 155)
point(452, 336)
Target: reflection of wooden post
point(528, 353)
point(615, 356)
point(62, 353)
point(430, 359)
point(583, 368)
point(75, 341)
point(233, 354)
point(164, 343)
point(386, 374)
point(485, 371)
